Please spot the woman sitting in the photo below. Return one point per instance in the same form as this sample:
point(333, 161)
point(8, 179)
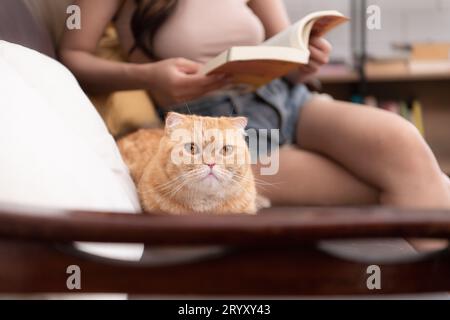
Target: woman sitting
point(339, 154)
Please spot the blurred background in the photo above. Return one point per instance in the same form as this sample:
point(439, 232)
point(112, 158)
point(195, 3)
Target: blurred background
point(403, 67)
point(402, 21)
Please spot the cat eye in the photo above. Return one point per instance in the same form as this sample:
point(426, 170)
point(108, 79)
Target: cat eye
point(226, 150)
point(192, 148)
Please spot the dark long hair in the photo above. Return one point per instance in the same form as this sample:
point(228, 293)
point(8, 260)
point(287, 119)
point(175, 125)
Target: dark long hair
point(147, 18)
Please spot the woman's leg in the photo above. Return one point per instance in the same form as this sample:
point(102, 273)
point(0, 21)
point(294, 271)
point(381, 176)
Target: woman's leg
point(379, 148)
point(306, 178)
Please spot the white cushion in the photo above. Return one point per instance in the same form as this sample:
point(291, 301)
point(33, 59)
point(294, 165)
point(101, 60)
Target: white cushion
point(55, 150)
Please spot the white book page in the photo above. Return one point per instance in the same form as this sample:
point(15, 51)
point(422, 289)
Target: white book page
point(297, 35)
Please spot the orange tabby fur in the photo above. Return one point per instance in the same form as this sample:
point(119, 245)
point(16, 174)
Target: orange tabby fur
point(162, 184)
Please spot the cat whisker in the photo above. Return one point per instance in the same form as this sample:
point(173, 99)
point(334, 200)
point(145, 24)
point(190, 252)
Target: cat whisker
point(178, 187)
point(170, 184)
point(239, 178)
point(261, 182)
point(182, 176)
point(174, 191)
point(171, 191)
point(164, 186)
point(187, 107)
point(264, 187)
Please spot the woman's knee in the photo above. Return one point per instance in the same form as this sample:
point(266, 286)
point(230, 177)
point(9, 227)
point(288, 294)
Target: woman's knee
point(402, 148)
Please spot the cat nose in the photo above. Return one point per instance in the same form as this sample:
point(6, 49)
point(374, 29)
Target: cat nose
point(211, 165)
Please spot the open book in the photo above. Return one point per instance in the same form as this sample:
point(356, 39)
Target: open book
point(254, 66)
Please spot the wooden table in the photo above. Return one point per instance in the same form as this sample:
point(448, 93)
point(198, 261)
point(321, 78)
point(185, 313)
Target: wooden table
point(280, 252)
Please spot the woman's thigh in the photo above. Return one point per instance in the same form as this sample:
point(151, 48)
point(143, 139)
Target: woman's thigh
point(376, 146)
point(306, 178)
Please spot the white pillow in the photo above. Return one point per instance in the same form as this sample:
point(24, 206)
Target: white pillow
point(55, 150)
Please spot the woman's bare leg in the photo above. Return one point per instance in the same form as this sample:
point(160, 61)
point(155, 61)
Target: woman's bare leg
point(306, 178)
point(378, 147)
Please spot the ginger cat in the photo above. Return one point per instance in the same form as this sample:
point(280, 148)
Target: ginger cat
point(195, 165)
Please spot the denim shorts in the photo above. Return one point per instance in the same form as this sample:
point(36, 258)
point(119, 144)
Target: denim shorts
point(273, 106)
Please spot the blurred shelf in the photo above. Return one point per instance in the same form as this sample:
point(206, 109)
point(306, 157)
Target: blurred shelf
point(351, 76)
point(337, 74)
point(408, 76)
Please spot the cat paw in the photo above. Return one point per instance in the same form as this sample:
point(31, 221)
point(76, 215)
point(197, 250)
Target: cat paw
point(262, 202)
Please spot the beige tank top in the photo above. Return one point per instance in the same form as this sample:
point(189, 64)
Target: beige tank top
point(201, 29)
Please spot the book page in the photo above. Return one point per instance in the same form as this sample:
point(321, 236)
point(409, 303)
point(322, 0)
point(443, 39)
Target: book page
point(314, 24)
point(288, 37)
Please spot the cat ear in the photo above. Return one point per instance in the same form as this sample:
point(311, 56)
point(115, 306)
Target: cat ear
point(239, 122)
point(173, 120)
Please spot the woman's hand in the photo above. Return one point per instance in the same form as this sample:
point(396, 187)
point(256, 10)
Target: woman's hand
point(320, 50)
point(176, 80)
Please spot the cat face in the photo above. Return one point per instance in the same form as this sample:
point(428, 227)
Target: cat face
point(205, 155)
